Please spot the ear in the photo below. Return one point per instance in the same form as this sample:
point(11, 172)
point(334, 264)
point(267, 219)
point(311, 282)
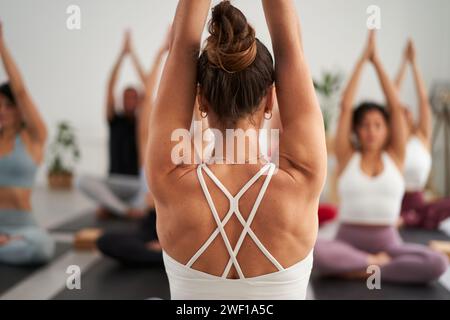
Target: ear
point(201, 101)
point(270, 99)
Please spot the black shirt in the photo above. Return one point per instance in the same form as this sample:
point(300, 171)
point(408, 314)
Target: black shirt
point(123, 150)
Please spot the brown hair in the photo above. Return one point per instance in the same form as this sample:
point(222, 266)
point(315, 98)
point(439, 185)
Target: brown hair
point(235, 69)
point(360, 112)
point(5, 89)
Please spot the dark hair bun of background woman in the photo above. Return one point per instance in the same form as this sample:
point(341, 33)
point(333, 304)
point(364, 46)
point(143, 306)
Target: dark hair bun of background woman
point(232, 43)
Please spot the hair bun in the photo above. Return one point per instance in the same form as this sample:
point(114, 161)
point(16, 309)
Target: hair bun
point(231, 45)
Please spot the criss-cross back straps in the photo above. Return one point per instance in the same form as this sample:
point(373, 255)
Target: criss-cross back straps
point(234, 209)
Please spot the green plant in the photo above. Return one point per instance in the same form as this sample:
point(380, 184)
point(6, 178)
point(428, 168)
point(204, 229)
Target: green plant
point(64, 150)
point(327, 88)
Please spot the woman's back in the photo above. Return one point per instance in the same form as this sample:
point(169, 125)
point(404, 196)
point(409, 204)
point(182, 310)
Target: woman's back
point(283, 221)
point(266, 238)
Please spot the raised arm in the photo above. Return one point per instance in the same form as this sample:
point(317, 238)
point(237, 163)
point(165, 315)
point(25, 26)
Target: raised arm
point(34, 124)
point(178, 87)
point(151, 81)
point(302, 144)
point(425, 125)
point(110, 100)
point(343, 144)
point(397, 122)
point(402, 71)
point(137, 63)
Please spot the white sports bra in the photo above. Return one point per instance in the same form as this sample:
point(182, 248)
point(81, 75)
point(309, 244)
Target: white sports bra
point(371, 200)
point(417, 165)
point(189, 284)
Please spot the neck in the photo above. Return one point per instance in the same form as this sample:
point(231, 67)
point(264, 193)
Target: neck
point(371, 154)
point(237, 146)
point(130, 114)
point(413, 132)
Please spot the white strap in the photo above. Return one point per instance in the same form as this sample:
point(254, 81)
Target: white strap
point(247, 224)
point(218, 222)
point(212, 207)
point(234, 208)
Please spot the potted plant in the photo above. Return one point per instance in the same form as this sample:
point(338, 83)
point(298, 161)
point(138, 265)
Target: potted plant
point(64, 153)
point(327, 89)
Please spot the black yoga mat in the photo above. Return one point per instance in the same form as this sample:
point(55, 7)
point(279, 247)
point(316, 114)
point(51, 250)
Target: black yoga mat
point(108, 280)
point(421, 236)
point(338, 289)
point(89, 220)
point(10, 276)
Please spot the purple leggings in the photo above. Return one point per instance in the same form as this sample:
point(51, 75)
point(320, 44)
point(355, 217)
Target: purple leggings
point(411, 263)
point(418, 213)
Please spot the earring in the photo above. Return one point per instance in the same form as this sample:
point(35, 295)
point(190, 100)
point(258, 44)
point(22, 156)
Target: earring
point(270, 117)
point(203, 114)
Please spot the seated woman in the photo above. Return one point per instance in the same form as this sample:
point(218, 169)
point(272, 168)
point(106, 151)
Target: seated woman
point(22, 139)
point(237, 228)
point(416, 212)
point(371, 189)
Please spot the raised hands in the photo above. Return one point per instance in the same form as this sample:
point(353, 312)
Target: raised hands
point(410, 51)
point(127, 47)
point(370, 50)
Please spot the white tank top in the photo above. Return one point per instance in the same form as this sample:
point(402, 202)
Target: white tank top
point(189, 284)
point(417, 165)
point(371, 200)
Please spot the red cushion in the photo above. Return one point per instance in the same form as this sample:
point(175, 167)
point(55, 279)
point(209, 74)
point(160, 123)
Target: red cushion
point(327, 213)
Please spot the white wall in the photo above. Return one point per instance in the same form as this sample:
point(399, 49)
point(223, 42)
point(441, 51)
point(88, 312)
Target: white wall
point(67, 71)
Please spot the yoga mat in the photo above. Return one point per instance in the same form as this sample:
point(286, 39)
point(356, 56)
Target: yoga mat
point(422, 236)
point(108, 280)
point(10, 276)
point(89, 220)
point(339, 289)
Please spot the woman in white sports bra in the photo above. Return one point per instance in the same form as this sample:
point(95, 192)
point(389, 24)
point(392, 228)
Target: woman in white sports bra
point(416, 211)
point(371, 189)
point(237, 231)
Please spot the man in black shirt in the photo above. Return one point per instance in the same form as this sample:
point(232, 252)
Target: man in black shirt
point(123, 149)
point(140, 247)
point(123, 192)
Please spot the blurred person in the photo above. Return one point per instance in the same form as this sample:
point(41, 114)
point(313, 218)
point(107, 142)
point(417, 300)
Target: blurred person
point(23, 134)
point(140, 248)
point(416, 211)
point(371, 188)
point(123, 192)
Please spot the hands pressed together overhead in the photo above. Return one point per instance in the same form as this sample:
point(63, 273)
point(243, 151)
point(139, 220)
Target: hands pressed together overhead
point(127, 47)
point(410, 51)
point(371, 50)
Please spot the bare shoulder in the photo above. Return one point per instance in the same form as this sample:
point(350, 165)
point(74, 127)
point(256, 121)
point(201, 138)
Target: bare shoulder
point(294, 178)
point(34, 148)
point(290, 182)
point(179, 180)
